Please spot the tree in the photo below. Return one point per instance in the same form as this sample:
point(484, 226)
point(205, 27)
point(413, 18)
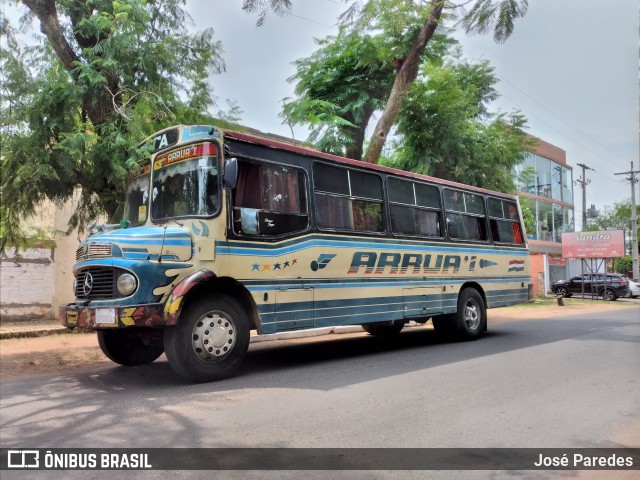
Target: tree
point(446, 131)
point(614, 217)
point(338, 88)
point(106, 74)
point(348, 78)
point(483, 16)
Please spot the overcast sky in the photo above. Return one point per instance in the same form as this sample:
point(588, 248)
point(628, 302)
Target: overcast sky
point(571, 67)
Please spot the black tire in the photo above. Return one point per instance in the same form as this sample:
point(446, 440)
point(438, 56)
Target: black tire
point(129, 347)
point(562, 291)
point(470, 319)
point(609, 295)
point(444, 324)
point(384, 329)
point(210, 340)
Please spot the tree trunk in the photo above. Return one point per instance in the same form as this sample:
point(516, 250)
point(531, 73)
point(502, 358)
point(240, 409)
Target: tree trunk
point(97, 109)
point(355, 150)
point(46, 12)
point(406, 75)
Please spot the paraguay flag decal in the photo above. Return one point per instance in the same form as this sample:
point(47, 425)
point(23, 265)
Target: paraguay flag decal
point(516, 265)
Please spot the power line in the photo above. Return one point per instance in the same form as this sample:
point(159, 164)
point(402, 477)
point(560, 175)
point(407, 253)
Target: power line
point(554, 114)
point(524, 109)
point(310, 20)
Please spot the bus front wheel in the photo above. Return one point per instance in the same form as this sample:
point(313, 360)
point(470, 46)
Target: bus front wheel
point(129, 347)
point(210, 340)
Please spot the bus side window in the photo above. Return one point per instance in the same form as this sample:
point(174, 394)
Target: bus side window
point(466, 216)
point(347, 199)
point(269, 200)
point(415, 208)
point(504, 222)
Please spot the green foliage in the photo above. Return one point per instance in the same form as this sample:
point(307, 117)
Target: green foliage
point(498, 16)
point(341, 85)
point(409, 28)
point(623, 265)
point(338, 88)
point(614, 217)
point(279, 7)
point(529, 219)
point(74, 107)
point(446, 131)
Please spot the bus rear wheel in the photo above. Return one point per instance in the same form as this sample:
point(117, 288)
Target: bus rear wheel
point(210, 340)
point(129, 347)
point(470, 319)
point(384, 329)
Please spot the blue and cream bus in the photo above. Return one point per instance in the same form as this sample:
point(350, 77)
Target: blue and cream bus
point(229, 232)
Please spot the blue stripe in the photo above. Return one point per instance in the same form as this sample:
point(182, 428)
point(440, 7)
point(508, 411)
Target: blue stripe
point(261, 285)
point(356, 311)
point(286, 248)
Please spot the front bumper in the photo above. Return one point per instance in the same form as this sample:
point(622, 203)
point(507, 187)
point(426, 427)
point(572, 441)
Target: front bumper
point(91, 318)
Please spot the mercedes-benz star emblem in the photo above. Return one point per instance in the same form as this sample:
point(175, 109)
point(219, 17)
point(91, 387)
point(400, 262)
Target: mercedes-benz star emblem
point(87, 285)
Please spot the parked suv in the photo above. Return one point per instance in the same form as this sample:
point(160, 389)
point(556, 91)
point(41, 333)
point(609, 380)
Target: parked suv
point(611, 288)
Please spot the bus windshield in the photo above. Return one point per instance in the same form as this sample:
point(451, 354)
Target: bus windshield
point(186, 188)
point(137, 198)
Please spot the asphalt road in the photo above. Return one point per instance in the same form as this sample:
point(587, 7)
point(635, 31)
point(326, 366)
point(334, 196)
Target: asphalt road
point(569, 381)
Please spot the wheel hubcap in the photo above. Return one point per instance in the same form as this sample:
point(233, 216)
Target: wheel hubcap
point(214, 336)
point(471, 316)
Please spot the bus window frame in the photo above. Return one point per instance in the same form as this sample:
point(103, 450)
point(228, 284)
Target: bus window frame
point(504, 219)
point(231, 206)
point(383, 201)
point(440, 211)
point(483, 196)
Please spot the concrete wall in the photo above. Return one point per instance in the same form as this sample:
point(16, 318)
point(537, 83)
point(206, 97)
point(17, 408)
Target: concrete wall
point(65, 258)
point(27, 284)
point(34, 282)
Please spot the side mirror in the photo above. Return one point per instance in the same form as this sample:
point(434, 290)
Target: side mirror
point(230, 175)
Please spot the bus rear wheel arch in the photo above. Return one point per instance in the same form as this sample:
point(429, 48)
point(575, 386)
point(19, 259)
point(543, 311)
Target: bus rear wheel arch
point(210, 340)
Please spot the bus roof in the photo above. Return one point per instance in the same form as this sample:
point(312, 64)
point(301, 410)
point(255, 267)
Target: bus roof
point(266, 141)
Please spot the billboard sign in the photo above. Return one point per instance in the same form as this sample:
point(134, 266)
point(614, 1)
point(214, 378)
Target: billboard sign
point(605, 244)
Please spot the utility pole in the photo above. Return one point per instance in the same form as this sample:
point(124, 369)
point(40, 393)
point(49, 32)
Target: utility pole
point(634, 220)
point(583, 182)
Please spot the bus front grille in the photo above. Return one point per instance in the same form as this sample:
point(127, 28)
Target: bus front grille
point(96, 283)
point(93, 250)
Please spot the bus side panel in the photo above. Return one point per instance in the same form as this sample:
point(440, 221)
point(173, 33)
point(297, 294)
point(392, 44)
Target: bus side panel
point(321, 280)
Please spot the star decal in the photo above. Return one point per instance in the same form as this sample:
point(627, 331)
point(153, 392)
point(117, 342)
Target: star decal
point(270, 267)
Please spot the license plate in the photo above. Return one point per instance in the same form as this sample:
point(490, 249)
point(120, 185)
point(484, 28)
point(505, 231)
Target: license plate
point(105, 316)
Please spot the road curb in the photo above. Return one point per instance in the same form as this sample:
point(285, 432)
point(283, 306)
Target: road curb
point(33, 332)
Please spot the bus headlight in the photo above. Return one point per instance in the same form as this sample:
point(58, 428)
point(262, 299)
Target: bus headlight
point(126, 284)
